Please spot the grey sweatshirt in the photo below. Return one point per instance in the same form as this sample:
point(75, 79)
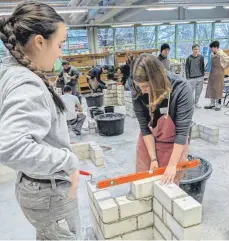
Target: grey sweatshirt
point(34, 137)
point(180, 109)
point(194, 67)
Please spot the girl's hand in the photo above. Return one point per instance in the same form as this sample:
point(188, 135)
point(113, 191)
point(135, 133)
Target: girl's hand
point(169, 175)
point(154, 165)
point(74, 177)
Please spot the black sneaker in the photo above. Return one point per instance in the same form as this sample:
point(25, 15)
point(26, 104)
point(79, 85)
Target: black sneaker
point(209, 107)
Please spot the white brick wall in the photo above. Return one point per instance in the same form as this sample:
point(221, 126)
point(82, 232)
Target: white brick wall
point(114, 95)
point(207, 133)
point(161, 212)
point(89, 150)
point(129, 208)
point(129, 104)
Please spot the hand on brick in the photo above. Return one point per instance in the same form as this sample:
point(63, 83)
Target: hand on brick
point(154, 164)
point(74, 178)
point(169, 175)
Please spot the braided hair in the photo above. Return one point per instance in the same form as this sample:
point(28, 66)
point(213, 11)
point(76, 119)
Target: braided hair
point(147, 68)
point(27, 20)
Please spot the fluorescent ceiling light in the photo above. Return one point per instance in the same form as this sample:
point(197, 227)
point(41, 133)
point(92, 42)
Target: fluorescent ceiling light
point(179, 22)
point(225, 20)
point(122, 26)
point(72, 11)
point(205, 21)
point(161, 9)
point(200, 7)
point(148, 24)
point(226, 7)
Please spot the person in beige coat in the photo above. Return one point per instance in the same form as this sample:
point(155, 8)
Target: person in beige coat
point(219, 62)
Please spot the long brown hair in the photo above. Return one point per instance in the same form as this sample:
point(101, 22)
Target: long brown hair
point(147, 68)
point(27, 20)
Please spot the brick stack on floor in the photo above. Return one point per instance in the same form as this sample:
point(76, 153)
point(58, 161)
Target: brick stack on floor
point(114, 95)
point(92, 126)
point(207, 133)
point(129, 104)
point(156, 213)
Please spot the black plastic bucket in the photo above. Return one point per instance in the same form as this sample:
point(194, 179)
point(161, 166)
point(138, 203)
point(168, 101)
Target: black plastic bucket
point(95, 99)
point(109, 109)
point(98, 112)
point(92, 109)
point(194, 180)
point(110, 124)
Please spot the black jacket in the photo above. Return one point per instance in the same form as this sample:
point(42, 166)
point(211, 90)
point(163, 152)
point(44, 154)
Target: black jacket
point(194, 67)
point(181, 108)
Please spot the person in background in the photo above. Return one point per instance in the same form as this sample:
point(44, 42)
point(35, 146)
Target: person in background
point(75, 116)
point(33, 131)
point(164, 56)
point(68, 76)
point(94, 78)
point(163, 104)
point(219, 62)
point(194, 69)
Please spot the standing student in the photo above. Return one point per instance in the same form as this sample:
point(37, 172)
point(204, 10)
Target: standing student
point(194, 69)
point(75, 116)
point(68, 76)
point(164, 56)
point(219, 62)
point(33, 131)
point(163, 105)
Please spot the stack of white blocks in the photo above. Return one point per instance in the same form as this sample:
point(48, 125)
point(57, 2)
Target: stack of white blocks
point(129, 104)
point(114, 95)
point(110, 96)
point(158, 212)
point(89, 150)
point(120, 94)
point(207, 133)
point(92, 126)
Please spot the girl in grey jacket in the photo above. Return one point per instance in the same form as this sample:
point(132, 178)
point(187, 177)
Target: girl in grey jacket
point(34, 138)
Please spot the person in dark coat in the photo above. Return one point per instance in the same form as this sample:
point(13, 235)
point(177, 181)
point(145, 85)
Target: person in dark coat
point(163, 57)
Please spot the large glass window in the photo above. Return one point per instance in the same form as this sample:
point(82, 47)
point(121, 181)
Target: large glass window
point(166, 34)
point(124, 39)
point(77, 41)
point(222, 34)
point(106, 37)
point(204, 34)
point(146, 37)
point(185, 40)
point(3, 51)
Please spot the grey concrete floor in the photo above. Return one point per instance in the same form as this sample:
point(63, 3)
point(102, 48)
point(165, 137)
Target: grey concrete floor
point(121, 160)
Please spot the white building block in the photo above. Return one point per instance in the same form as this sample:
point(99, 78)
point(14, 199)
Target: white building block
point(165, 194)
point(211, 130)
point(157, 235)
point(91, 123)
point(118, 228)
point(7, 174)
point(107, 210)
point(130, 208)
point(94, 211)
point(187, 211)
point(143, 188)
point(91, 189)
point(145, 220)
point(191, 233)
point(157, 208)
point(160, 226)
point(101, 196)
point(143, 234)
point(96, 228)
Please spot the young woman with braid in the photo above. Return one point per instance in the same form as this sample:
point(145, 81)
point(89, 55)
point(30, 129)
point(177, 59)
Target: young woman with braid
point(33, 131)
point(164, 107)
